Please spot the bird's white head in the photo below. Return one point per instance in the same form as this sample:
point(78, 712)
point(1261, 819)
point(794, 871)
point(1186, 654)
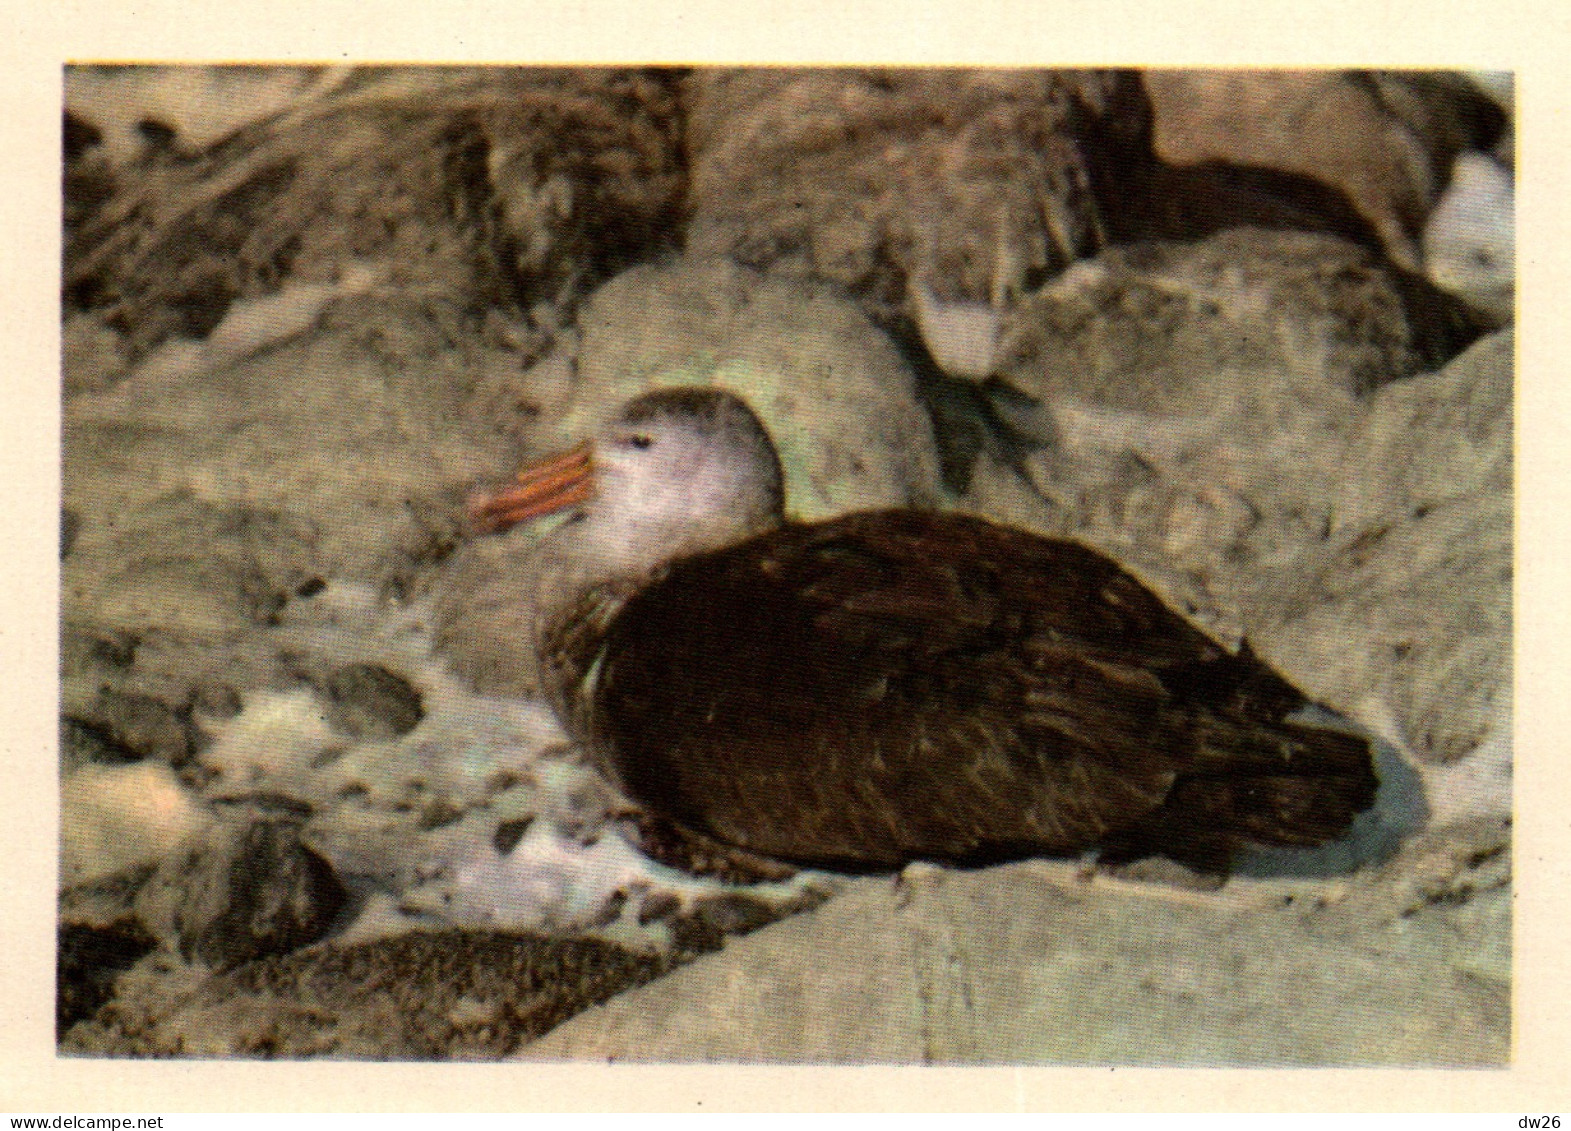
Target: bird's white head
point(675, 472)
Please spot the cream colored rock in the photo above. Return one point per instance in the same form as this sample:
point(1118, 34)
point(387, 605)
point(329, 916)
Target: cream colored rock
point(113, 818)
point(1470, 239)
point(831, 389)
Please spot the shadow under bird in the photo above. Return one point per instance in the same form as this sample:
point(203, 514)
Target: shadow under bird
point(897, 685)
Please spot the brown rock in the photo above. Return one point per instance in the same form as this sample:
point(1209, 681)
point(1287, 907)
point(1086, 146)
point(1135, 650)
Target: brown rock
point(508, 186)
point(963, 178)
point(458, 995)
point(247, 887)
point(88, 960)
point(367, 701)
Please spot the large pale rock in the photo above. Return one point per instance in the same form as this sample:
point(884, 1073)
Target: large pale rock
point(1253, 424)
point(1409, 597)
point(834, 394)
point(208, 494)
point(1164, 328)
point(774, 995)
point(117, 818)
point(1020, 965)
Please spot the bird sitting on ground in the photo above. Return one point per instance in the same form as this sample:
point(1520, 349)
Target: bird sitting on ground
point(897, 685)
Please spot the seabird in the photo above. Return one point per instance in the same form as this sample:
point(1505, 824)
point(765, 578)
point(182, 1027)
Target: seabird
point(897, 685)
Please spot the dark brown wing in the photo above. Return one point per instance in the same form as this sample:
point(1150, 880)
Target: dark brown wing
point(897, 685)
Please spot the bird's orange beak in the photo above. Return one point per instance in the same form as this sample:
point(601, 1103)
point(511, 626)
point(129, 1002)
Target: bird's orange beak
point(551, 485)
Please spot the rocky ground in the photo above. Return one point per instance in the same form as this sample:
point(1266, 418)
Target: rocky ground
point(1249, 334)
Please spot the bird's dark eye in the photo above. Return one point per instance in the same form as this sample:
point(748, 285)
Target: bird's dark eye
point(640, 440)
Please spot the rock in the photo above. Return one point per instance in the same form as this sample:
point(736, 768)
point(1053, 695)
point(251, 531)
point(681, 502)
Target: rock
point(1409, 597)
point(1020, 965)
point(1500, 88)
point(720, 917)
point(454, 995)
point(88, 960)
point(831, 389)
point(488, 602)
point(367, 701)
point(210, 496)
point(114, 818)
point(129, 727)
point(1470, 239)
point(216, 700)
point(519, 187)
point(1439, 435)
point(92, 355)
point(85, 743)
point(1435, 438)
point(247, 887)
point(832, 986)
point(1159, 327)
point(971, 181)
point(198, 105)
point(1417, 614)
point(1340, 128)
point(178, 562)
point(1450, 112)
point(1144, 197)
point(105, 902)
